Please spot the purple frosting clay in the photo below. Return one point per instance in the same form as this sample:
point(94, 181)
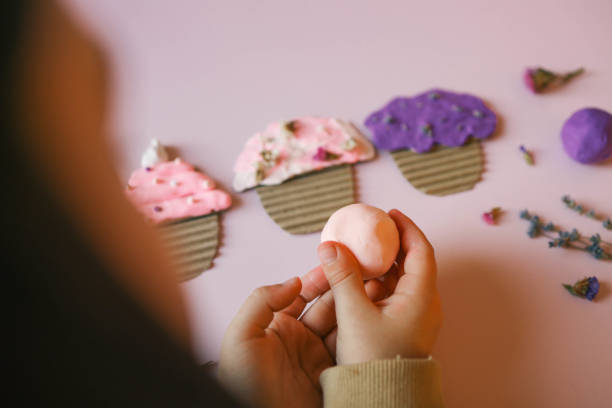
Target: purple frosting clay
point(587, 135)
point(433, 117)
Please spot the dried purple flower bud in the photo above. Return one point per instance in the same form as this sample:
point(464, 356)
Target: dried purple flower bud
point(388, 119)
point(492, 216)
point(586, 288)
point(148, 168)
point(157, 208)
point(527, 155)
point(427, 129)
point(324, 155)
point(540, 79)
point(434, 96)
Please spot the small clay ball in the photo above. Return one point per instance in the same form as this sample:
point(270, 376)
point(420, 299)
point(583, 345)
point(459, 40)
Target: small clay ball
point(587, 135)
point(369, 233)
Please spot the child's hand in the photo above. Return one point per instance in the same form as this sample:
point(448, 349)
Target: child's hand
point(403, 324)
point(268, 357)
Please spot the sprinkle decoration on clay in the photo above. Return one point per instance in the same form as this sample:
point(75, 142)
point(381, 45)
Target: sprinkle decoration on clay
point(288, 149)
point(302, 170)
point(430, 118)
point(587, 135)
point(434, 138)
point(369, 233)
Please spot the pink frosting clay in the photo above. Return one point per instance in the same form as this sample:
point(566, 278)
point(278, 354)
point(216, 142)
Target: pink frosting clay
point(173, 190)
point(287, 149)
point(369, 233)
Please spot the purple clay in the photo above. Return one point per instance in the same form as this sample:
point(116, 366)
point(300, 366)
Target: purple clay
point(587, 135)
point(433, 117)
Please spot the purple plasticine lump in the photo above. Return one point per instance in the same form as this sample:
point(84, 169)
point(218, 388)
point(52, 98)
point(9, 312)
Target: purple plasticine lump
point(433, 117)
point(587, 135)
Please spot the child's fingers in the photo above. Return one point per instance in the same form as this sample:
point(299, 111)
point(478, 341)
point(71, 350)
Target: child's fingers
point(314, 284)
point(330, 343)
point(375, 290)
point(419, 263)
point(390, 280)
point(258, 310)
point(320, 318)
point(344, 276)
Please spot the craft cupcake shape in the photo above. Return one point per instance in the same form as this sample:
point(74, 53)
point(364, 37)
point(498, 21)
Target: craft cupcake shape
point(302, 170)
point(434, 138)
point(184, 203)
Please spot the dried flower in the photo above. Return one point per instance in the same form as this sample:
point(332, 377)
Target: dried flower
point(527, 155)
point(260, 172)
point(324, 155)
point(586, 288)
point(434, 96)
point(291, 126)
point(582, 210)
point(349, 144)
point(595, 246)
point(157, 208)
point(427, 129)
point(492, 216)
point(540, 79)
point(388, 119)
point(268, 156)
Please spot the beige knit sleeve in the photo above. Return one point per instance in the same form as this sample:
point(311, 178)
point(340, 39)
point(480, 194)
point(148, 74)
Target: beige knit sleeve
point(405, 383)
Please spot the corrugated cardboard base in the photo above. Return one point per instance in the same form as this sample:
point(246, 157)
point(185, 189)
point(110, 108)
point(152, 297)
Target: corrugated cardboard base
point(443, 170)
point(302, 205)
point(192, 244)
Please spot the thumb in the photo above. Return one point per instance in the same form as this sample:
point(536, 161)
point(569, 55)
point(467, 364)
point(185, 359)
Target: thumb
point(344, 276)
point(257, 311)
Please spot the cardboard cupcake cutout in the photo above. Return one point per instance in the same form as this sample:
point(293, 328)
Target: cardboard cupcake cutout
point(302, 170)
point(434, 138)
point(184, 203)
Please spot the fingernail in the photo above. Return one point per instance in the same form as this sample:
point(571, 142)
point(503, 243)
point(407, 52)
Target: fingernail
point(327, 253)
point(289, 281)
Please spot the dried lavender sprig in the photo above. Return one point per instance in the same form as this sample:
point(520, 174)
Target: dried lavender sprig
point(580, 209)
point(527, 155)
point(567, 239)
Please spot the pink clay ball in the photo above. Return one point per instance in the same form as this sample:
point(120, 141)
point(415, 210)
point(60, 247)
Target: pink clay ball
point(369, 233)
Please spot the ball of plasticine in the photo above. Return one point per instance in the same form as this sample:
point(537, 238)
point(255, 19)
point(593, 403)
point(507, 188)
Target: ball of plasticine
point(587, 135)
point(369, 233)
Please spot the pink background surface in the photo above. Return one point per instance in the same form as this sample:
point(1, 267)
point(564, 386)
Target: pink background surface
point(205, 75)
